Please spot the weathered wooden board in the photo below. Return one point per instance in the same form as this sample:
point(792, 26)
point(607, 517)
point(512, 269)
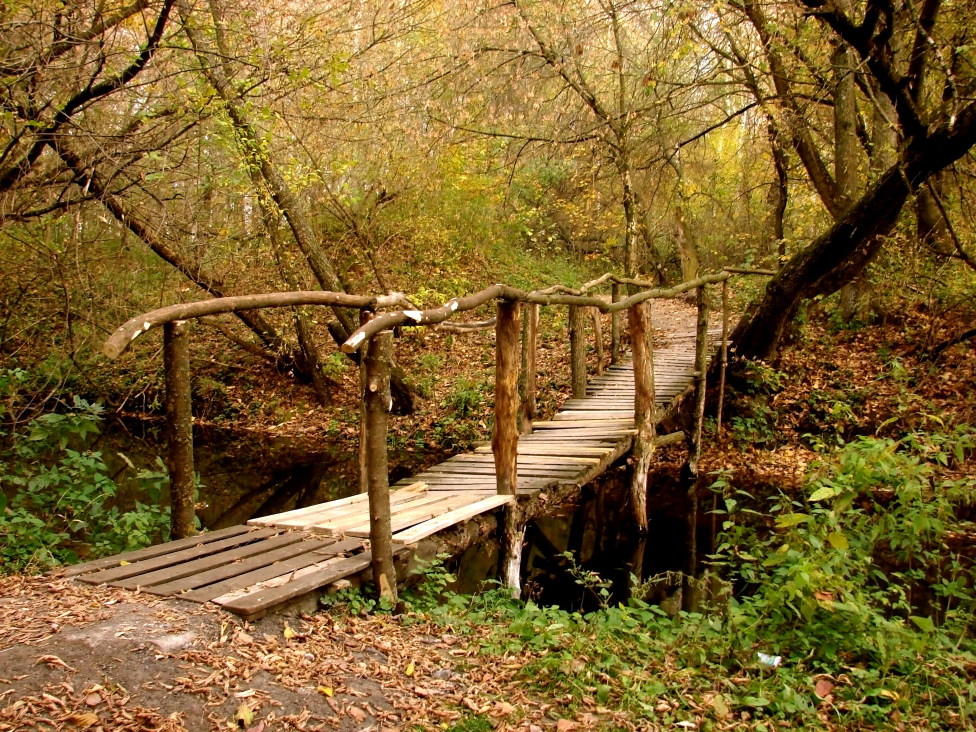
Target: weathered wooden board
point(457, 516)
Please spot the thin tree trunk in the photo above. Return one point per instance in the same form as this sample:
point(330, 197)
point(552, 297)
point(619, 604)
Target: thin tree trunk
point(179, 430)
point(615, 325)
point(378, 400)
point(690, 470)
point(530, 336)
point(597, 339)
point(504, 439)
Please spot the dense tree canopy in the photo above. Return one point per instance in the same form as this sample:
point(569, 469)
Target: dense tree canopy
point(208, 149)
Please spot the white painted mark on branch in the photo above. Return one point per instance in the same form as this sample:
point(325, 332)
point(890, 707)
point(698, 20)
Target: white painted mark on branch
point(454, 305)
point(147, 325)
point(413, 314)
point(356, 339)
point(136, 334)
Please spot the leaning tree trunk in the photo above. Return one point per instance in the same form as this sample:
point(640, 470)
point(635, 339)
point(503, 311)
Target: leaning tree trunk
point(842, 252)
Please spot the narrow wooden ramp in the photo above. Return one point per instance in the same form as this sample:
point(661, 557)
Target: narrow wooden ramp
point(251, 569)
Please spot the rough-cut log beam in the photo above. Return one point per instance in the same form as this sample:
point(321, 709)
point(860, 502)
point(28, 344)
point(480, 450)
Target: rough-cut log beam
point(577, 351)
point(748, 271)
point(379, 401)
point(476, 300)
point(639, 321)
point(615, 326)
point(690, 470)
point(530, 338)
point(134, 327)
point(179, 430)
point(504, 437)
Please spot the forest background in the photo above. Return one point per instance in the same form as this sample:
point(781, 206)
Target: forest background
point(159, 151)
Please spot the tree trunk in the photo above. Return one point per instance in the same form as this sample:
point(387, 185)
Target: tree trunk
point(530, 337)
point(179, 430)
point(777, 197)
point(378, 399)
point(504, 439)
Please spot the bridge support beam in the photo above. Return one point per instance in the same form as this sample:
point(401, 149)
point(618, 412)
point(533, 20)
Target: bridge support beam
point(378, 401)
point(639, 322)
point(504, 438)
point(530, 338)
point(577, 351)
point(179, 429)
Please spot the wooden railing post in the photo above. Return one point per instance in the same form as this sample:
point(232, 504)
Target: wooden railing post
point(179, 429)
point(577, 351)
point(504, 438)
point(725, 357)
point(530, 337)
point(639, 322)
point(597, 339)
point(690, 592)
point(615, 325)
point(378, 401)
point(364, 317)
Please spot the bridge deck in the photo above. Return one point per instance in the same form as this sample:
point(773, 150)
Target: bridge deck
point(251, 569)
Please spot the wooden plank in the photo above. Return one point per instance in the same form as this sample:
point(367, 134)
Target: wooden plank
point(339, 503)
point(327, 513)
point(489, 469)
point(574, 416)
point(339, 525)
point(255, 603)
point(236, 568)
point(254, 577)
point(569, 424)
point(185, 555)
point(457, 516)
point(425, 513)
point(154, 551)
point(528, 459)
point(203, 564)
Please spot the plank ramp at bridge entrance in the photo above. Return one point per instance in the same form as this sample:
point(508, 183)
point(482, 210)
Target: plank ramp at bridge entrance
point(249, 570)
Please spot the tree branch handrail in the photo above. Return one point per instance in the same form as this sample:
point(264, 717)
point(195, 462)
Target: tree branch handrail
point(123, 336)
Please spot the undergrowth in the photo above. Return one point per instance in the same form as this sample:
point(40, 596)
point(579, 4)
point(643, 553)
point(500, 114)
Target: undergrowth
point(59, 503)
point(845, 607)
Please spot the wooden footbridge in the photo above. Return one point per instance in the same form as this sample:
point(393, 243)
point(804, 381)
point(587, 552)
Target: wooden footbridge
point(273, 560)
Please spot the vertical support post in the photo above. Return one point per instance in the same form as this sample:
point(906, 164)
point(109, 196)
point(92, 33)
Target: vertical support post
point(639, 321)
point(577, 351)
point(725, 356)
point(690, 470)
point(597, 339)
point(504, 438)
point(364, 317)
point(615, 325)
point(378, 401)
point(530, 338)
point(179, 429)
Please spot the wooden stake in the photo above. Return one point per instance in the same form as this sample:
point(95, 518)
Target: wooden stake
point(364, 317)
point(597, 339)
point(690, 592)
point(577, 351)
point(725, 356)
point(615, 325)
point(179, 429)
point(530, 337)
point(378, 402)
point(504, 438)
point(639, 321)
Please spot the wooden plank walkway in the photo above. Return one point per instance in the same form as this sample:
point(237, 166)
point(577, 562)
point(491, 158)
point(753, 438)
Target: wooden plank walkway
point(274, 559)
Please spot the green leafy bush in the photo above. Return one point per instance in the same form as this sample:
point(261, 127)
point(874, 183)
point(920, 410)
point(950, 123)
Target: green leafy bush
point(58, 502)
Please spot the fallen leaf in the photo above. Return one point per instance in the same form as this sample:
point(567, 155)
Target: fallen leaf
point(822, 688)
point(244, 715)
point(719, 706)
point(288, 632)
point(503, 709)
point(410, 669)
point(259, 727)
point(84, 721)
point(93, 699)
point(52, 661)
point(327, 690)
point(356, 713)
point(565, 725)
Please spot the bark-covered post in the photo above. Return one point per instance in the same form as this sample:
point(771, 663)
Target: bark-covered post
point(378, 402)
point(179, 429)
point(577, 351)
point(615, 325)
point(725, 357)
point(530, 338)
point(364, 317)
point(639, 321)
point(690, 471)
point(597, 339)
point(504, 438)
